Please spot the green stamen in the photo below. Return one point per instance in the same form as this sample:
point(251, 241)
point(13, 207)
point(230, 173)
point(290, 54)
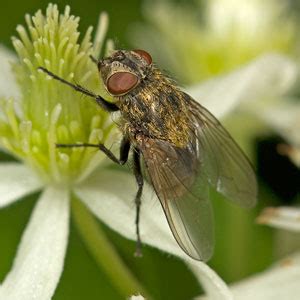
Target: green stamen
point(48, 111)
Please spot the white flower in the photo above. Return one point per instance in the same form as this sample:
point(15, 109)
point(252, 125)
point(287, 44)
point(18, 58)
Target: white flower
point(242, 90)
point(281, 281)
point(43, 112)
point(138, 297)
point(200, 40)
point(281, 217)
point(284, 118)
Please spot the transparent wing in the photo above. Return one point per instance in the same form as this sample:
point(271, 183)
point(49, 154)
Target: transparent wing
point(223, 162)
point(183, 193)
point(181, 178)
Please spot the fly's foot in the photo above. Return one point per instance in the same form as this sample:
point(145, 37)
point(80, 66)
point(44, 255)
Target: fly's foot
point(138, 249)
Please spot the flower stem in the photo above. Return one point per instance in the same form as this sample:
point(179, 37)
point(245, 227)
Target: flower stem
point(104, 252)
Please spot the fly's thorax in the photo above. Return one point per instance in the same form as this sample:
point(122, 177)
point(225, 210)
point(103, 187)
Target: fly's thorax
point(155, 108)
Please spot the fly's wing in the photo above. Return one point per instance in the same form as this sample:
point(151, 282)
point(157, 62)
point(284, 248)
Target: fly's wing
point(183, 192)
point(226, 167)
point(181, 176)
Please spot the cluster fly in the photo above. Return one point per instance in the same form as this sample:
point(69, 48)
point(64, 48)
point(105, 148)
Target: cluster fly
point(184, 148)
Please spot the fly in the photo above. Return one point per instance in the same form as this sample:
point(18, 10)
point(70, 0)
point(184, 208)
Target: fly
point(184, 148)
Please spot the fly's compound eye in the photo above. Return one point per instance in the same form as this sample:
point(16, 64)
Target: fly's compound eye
point(144, 55)
point(121, 83)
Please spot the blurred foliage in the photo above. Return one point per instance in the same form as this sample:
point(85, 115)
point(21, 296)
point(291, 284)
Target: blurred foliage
point(200, 40)
point(122, 13)
point(242, 247)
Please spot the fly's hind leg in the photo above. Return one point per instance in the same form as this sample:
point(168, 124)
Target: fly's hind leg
point(140, 181)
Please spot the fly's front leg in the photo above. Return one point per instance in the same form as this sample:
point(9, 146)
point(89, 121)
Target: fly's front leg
point(94, 60)
point(140, 181)
point(107, 106)
point(124, 150)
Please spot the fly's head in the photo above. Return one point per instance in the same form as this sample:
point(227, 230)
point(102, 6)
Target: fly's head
point(123, 70)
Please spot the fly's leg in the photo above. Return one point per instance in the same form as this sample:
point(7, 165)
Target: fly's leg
point(107, 106)
point(94, 60)
point(140, 181)
point(124, 150)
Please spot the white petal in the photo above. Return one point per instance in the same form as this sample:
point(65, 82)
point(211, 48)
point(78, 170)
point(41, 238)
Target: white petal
point(284, 117)
point(214, 286)
point(268, 76)
point(110, 194)
point(278, 283)
point(138, 297)
point(16, 181)
point(292, 152)
point(40, 257)
point(281, 217)
point(8, 85)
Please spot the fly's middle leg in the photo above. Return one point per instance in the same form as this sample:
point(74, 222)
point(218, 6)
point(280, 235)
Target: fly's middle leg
point(124, 150)
point(140, 181)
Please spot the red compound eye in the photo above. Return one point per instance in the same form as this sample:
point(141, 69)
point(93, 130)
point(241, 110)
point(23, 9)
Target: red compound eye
point(145, 55)
point(121, 83)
